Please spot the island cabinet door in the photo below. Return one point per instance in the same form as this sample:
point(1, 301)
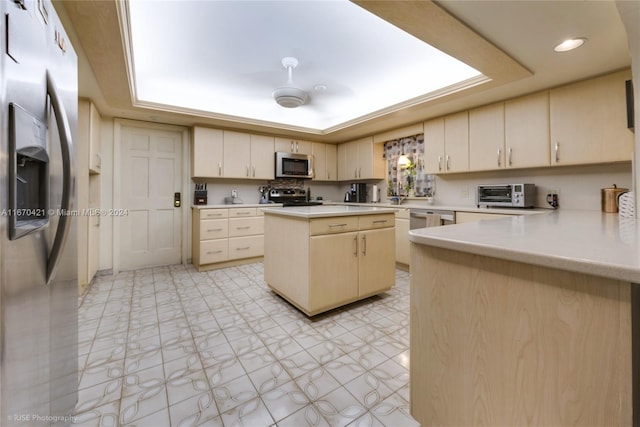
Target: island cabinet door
point(376, 273)
point(333, 275)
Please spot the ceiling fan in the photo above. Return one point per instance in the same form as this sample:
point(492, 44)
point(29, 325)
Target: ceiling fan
point(290, 96)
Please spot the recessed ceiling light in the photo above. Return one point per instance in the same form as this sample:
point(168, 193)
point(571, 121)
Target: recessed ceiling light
point(570, 44)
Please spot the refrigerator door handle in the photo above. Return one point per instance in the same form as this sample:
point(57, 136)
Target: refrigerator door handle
point(66, 144)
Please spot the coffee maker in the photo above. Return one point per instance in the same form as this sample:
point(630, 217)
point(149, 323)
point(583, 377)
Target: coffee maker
point(358, 193)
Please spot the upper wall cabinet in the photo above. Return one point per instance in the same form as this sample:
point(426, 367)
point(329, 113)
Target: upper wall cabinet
point(325, 162)
point(207, 153)
point(91, 131)
point(293, 146)
point(511, 134)
point(526, 130)
point(486, 138)
point(228, 154)
point(588, 122)
point(446, 144)
point(360, 159)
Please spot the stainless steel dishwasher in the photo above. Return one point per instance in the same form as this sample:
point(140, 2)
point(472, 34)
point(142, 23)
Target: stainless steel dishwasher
point(422, 218)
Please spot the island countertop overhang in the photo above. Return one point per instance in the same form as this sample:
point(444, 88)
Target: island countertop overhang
point(324, 211)
point(590, 242)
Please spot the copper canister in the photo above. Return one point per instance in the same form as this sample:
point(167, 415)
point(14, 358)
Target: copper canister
point(609, 198)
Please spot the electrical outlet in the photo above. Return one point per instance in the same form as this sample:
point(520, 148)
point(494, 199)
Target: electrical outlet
point(464, 193)
point(234, 193)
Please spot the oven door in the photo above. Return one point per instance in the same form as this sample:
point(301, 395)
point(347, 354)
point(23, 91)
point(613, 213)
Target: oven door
point(292, 165)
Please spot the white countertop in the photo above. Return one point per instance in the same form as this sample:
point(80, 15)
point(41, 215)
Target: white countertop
point(588, 242)
point(418, 205)
point(236, 205)
point(327, 211)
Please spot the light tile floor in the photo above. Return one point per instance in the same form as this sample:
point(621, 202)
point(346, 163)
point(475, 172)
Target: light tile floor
point(170, 346)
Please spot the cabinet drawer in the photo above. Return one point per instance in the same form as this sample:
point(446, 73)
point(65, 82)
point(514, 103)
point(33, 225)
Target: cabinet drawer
point(213, 251)
point(214, 213)
point(246, 226)
point(246, 247)
point(214, 229)
point(333, 225)
point(242, 212)
point(367, 222)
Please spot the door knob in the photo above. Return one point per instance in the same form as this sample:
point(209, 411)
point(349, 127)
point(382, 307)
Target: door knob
point(176, 200)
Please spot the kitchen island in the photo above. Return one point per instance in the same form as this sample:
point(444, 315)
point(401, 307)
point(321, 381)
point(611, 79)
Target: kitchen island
point(526, 321)
point(322, 257)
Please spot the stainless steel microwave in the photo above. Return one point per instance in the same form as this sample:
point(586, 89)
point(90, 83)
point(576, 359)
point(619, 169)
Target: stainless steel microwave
point(506, 195)
point(293, 165)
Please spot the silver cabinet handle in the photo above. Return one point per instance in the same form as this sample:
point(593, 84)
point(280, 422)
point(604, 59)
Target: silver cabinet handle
point(214, 229)
point(359, 172)
point(355, 173)
point(243, 228)
point(243, 213)
point(499, 153)
point(214, 252)
point(254, 171)
point(337, 225)
point(557, 147)
point(364, 245)
point(244, 248)
point(247, 171)
point(292, 146)
point(355, 239)
point(510, 162)
point(380, 221)
point(440, 163)
point(297, 147)
point(447, 162)
point(219, 168)
point(68, 182)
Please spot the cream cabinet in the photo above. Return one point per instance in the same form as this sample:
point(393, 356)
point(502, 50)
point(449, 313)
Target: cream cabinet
point(236, 155)
point(588, 122)
point(402, 237)
point(486, 138)
point(207, 151)
point(248, 156)
point(88, 187)
point(228, 154)
point(446, 144)
point(321, 263)
point(509, 135)
point(95, 139)
point(360, 159)
point(325, 162)
point(526, 131)
point(226, 236)
point(289, 145)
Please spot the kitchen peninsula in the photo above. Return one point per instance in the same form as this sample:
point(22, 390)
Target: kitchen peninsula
point(525, 321)
point(322, 257)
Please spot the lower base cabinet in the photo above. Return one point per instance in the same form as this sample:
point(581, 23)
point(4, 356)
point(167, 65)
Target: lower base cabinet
point(402, 238)
point(226, 236)
point(324, 263)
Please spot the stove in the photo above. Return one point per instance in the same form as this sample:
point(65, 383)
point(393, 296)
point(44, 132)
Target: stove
point(290, 197)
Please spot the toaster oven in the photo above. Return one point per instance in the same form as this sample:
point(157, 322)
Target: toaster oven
point(506, 195)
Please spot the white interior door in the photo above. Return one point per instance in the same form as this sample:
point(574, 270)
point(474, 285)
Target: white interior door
point(151, 171)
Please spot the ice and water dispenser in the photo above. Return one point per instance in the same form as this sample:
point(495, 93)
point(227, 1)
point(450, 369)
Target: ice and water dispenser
point(28, 173)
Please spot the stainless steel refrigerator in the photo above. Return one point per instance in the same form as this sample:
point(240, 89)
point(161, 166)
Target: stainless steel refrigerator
point(38, 239)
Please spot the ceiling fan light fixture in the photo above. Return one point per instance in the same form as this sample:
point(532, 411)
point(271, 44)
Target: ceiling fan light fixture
point(290, 97)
